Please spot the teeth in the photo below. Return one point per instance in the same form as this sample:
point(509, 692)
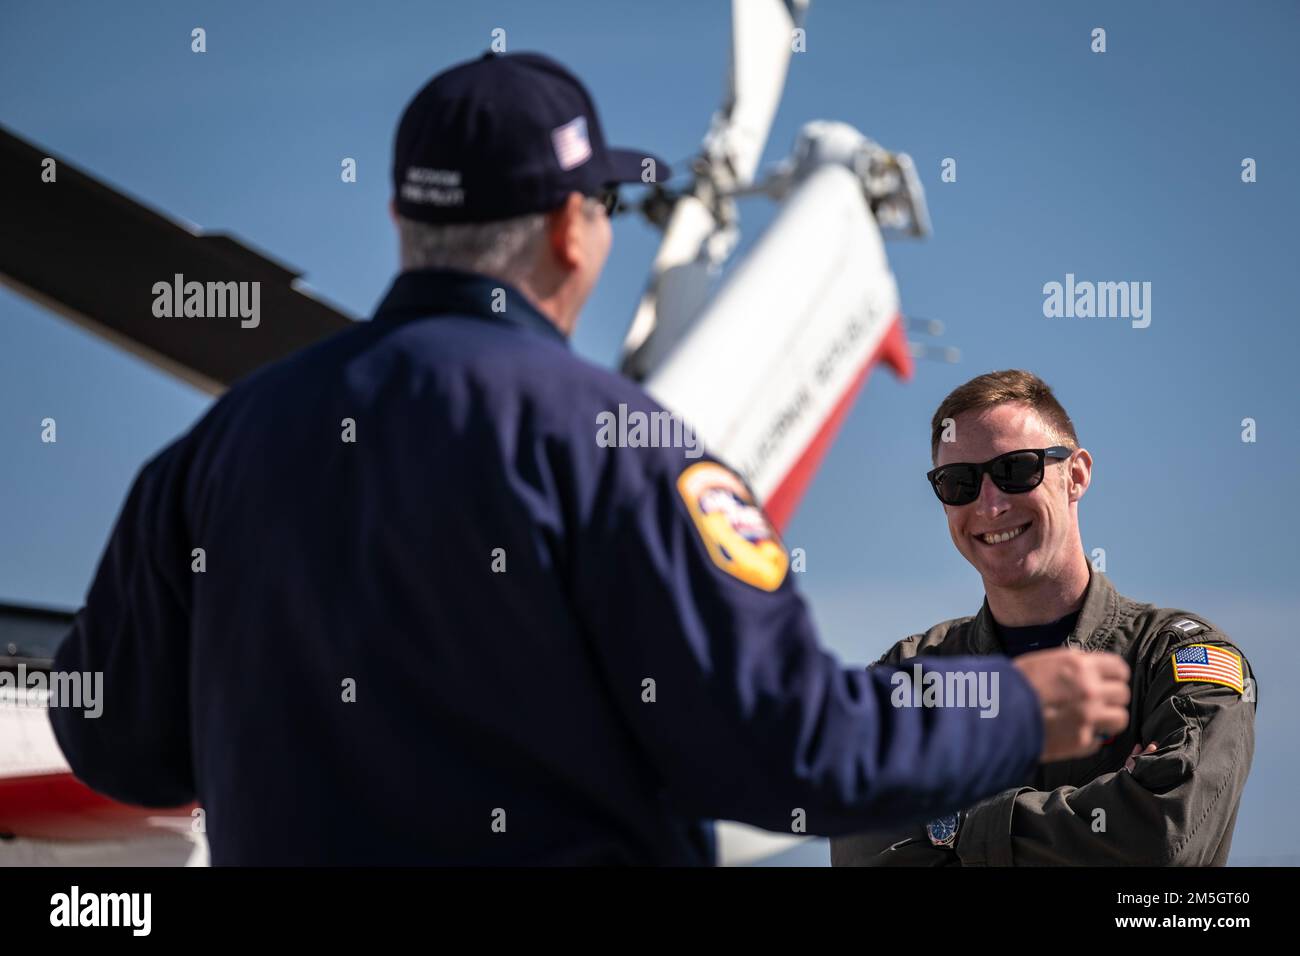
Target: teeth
point(1001, 536)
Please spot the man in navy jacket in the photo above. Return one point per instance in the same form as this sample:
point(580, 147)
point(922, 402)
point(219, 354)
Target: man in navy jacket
point(394, 600)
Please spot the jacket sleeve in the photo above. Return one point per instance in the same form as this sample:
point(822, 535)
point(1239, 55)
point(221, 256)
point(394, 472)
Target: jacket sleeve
point(740, 712)
point(134, 631)
point(897, 846)
point(1176, 807)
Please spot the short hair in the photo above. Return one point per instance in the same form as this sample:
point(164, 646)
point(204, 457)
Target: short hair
point(999, 388)
point(505, 248)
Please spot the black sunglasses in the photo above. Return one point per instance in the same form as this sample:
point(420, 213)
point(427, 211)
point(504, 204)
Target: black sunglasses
point(1015, 472)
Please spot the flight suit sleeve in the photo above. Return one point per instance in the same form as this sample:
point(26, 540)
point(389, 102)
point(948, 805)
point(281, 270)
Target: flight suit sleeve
point(134, 632)
point(711, 656)
point(1176, 807)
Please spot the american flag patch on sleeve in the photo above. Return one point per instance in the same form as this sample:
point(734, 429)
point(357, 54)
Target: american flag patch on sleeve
point(1212, 665)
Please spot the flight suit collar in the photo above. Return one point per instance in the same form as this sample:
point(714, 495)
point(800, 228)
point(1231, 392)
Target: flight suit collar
point(434, 293)
point(1093, 631)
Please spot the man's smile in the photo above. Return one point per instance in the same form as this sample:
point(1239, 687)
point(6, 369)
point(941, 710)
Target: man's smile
point(1001, 537)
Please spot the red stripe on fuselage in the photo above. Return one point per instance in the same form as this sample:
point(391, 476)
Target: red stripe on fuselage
point(893, 349)
point(58, 806)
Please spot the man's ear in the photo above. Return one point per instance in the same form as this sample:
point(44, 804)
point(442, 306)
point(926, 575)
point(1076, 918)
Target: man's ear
point(392, 210)
point(1080, 474)
point(564, 231)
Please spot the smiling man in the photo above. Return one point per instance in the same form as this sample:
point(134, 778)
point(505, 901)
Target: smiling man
point(1010, 473)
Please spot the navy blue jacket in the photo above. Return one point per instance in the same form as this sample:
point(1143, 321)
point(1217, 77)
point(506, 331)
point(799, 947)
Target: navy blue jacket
point(473, 634)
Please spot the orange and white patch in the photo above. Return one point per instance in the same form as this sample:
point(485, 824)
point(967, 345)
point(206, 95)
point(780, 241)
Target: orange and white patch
point(735, 531)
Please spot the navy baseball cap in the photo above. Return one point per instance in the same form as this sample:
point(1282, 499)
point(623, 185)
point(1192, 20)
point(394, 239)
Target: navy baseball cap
point(503, 136)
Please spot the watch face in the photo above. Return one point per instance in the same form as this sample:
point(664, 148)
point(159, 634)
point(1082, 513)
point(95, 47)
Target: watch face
point(942, 831)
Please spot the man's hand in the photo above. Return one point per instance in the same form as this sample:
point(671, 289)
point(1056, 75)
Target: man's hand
point(1084, 698)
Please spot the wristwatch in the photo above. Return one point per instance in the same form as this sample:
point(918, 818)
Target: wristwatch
point(943, 831)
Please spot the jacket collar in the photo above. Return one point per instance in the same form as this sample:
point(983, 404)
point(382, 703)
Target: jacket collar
point(1093, 631)
point(434, 293)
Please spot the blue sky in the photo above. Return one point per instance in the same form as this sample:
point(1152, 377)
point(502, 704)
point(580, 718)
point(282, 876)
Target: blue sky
point(1116, 166)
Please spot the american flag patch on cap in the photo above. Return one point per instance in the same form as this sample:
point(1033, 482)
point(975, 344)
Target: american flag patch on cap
point(572, 147)
point(1213, 665)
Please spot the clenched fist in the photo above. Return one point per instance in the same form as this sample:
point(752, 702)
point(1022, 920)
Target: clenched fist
point(1083, 697)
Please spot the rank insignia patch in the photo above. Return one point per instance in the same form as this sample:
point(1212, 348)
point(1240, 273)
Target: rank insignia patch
point(737, 534)
point(1212, 665)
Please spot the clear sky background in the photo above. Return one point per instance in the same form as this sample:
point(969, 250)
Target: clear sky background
point(1117, 166)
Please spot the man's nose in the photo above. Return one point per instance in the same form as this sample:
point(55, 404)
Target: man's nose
point(992, 500)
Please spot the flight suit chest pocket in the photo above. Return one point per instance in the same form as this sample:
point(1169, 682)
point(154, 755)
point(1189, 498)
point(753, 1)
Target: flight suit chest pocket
point(1178, 748)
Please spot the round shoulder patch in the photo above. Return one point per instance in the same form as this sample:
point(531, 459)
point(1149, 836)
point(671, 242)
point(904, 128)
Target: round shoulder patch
point(736, 533)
